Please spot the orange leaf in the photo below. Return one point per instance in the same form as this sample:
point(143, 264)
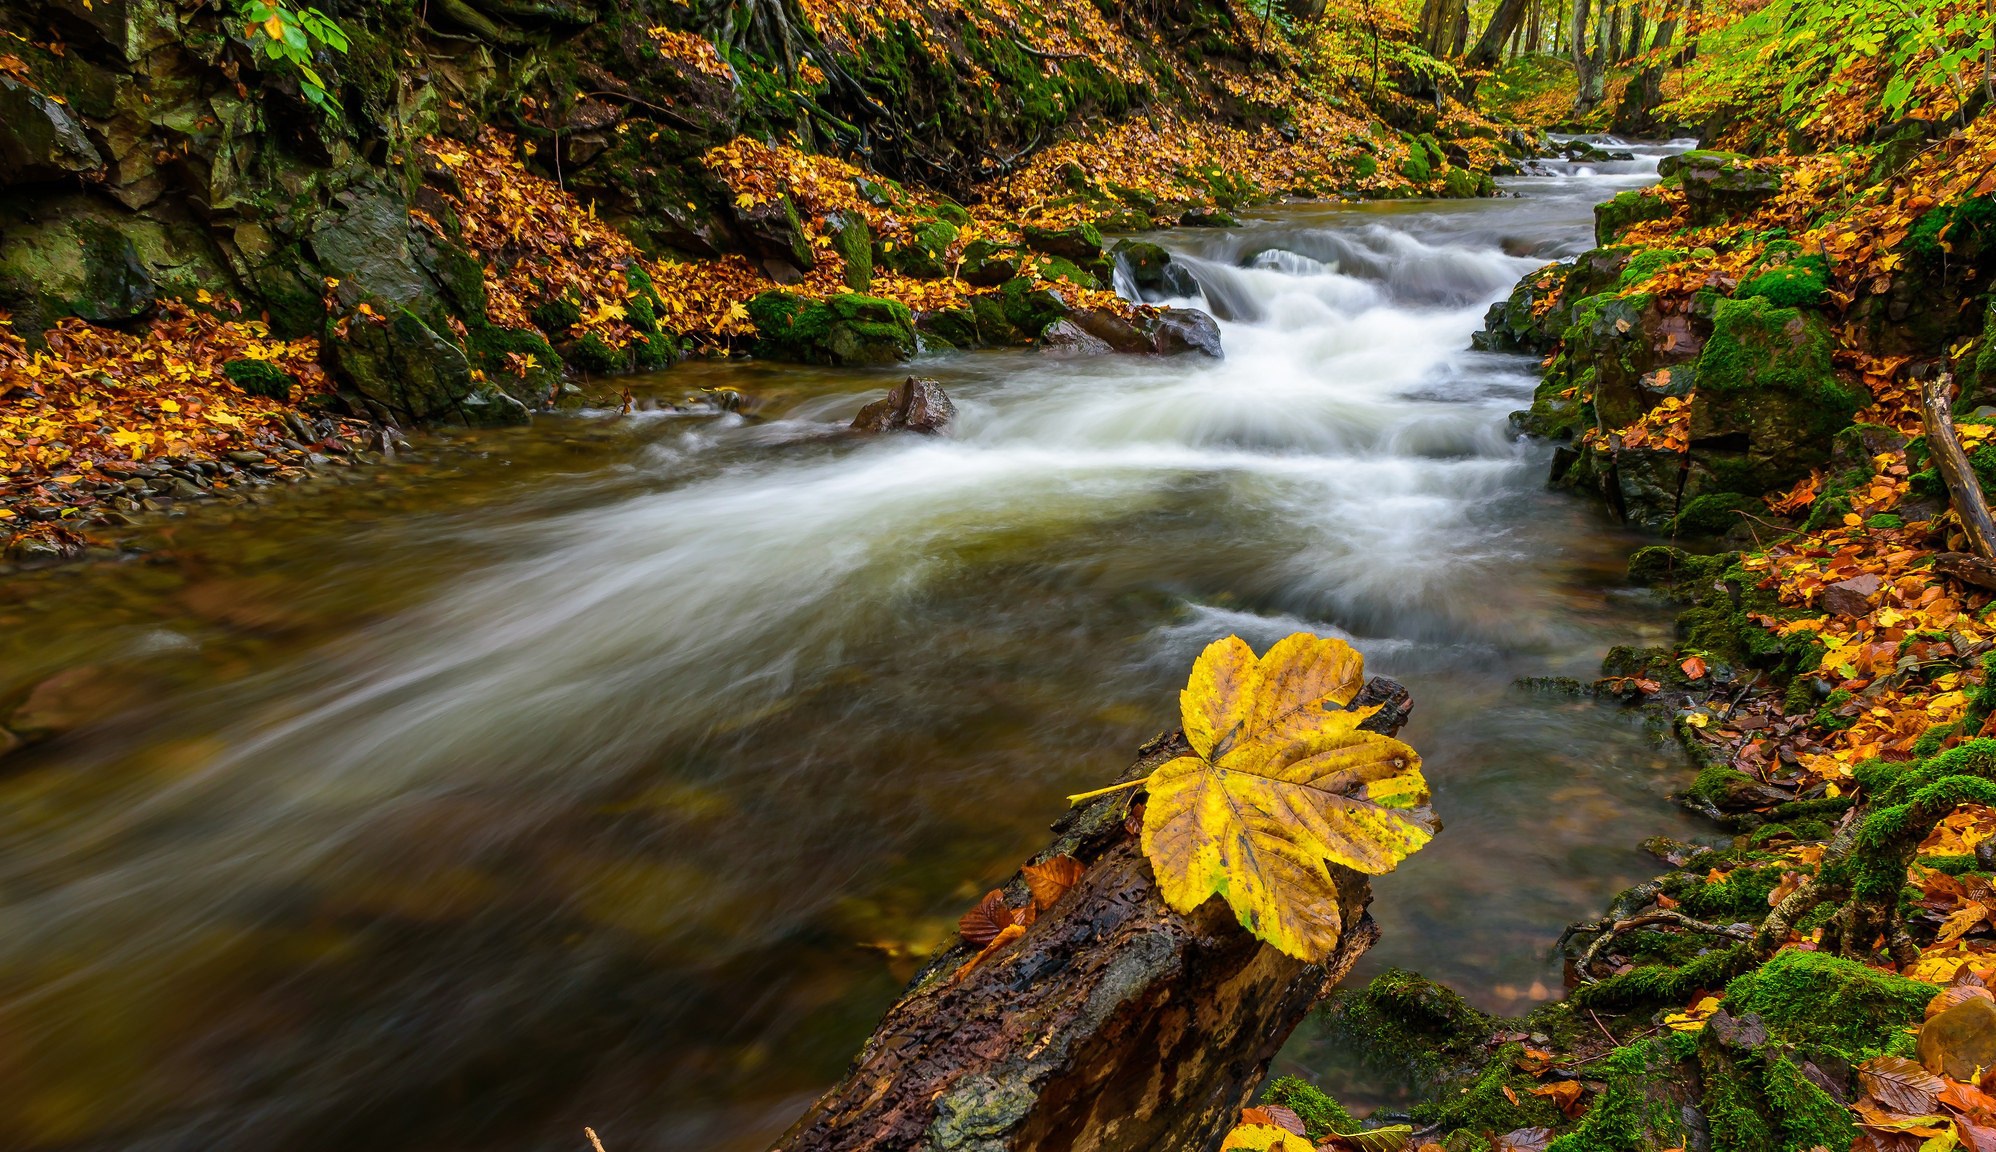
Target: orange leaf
point(982, 924)
point(1049, 880)
point(1693, 667)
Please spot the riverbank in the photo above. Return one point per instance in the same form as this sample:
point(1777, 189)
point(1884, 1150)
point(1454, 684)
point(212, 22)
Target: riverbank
point(402, 252)
point(1743, 358)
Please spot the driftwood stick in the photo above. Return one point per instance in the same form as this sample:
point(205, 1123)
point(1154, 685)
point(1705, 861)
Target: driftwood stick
point(1964, 491)
point(1113, 1025)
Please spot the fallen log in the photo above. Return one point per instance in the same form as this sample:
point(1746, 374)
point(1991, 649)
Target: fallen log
point(1963, 489)
point(1113, 1025)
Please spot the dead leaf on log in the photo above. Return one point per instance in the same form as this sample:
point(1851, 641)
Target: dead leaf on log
point(982, 924)
point(1395, 1138)
point(1900, 1085)
point(1049, 880)
point(1274, 1114)
point(1279, 787)
point(1010, 933)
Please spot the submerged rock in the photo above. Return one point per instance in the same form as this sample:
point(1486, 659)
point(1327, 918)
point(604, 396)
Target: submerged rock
point(917, 404)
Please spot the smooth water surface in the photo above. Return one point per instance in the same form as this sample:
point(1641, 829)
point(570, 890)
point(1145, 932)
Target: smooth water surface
point(618, 770)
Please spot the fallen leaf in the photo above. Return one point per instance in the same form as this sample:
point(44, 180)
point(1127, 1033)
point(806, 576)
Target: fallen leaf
point(1900, 1085)
point(982, 924)
point(1049, 880)
point(1564, 1093)
point(1278, 788)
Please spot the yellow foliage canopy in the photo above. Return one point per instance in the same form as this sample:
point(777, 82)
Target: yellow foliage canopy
point(1281, 785)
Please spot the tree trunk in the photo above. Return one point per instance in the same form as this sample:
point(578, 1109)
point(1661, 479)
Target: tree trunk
point(1689, 52)
point(1583, 63)
point(1503, 23)
point(1113, 1025)
point(1636, 116)
point(1636, 29)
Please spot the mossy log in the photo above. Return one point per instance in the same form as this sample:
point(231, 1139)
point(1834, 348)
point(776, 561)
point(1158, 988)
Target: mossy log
point(1113, 1024)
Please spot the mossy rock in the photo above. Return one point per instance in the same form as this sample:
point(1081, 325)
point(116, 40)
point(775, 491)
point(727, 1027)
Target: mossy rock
point(1463, 184)
point(1627, 209)
point(1408, 1025)
point(1767, 387)
point(1812, 999)
point(840, 330)
point(1798, 282)
point(260, 378)
point(922, 253)
point(852, 239)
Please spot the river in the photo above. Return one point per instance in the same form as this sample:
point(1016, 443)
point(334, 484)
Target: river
point(618, 770)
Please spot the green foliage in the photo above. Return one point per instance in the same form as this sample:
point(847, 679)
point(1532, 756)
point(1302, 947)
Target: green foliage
point(293, 36)
point(260, 378)
point(1321, 1114)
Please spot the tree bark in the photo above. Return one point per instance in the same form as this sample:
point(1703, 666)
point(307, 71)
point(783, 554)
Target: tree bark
point(1503, 23)
point(1636, 115)
point(1113, 1025)
point(1583, 64)
point(1963, 489)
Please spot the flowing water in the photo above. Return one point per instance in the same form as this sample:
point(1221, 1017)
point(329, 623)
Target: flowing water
point(618, 771)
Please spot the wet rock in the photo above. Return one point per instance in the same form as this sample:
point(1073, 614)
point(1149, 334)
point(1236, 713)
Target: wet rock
point(401, 363)
point(1067, 338)
point(40, 139)
point(916, 404)
point(1961, 1041)
point(774, 234)
point(1147, 265)
point(71, 699)
point(1770, 402)
point(1208, 218)
point(839, 330)
point(80, 265)
point(1169, 332)
point(1180, 330)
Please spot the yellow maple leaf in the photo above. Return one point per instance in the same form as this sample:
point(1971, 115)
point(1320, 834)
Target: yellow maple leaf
point(1278, 788)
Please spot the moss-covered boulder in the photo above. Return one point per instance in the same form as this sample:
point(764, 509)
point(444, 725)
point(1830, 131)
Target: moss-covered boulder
point(1786, 277)
point(260, 378)
point(83, 265)
point(1721, 185)
point(841, 330)
point(922, 252)
point(1627, 209)
point(40, 138)
point(1769, 400)
point(852, 239)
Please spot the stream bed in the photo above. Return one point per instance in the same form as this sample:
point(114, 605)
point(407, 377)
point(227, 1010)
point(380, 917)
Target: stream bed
point(619, 770)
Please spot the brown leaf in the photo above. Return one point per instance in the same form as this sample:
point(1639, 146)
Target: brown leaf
point(1900, 1085)
point(1510, 1095)
point(1011, 932)
point(1049, 880)
point(1284, 1118)
point(1257, 1116)
point(982, 924)
point(1523, 1140)
point(1565, 1093)
point(1970, 1101)
point(1954, 994)
point(1694, 668)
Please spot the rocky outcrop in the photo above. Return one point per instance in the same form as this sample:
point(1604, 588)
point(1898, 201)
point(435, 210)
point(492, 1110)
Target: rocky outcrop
point(1158, 332)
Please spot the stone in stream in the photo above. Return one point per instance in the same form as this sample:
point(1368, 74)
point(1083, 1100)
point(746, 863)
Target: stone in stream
point(915, 405)
point(1169, 332)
